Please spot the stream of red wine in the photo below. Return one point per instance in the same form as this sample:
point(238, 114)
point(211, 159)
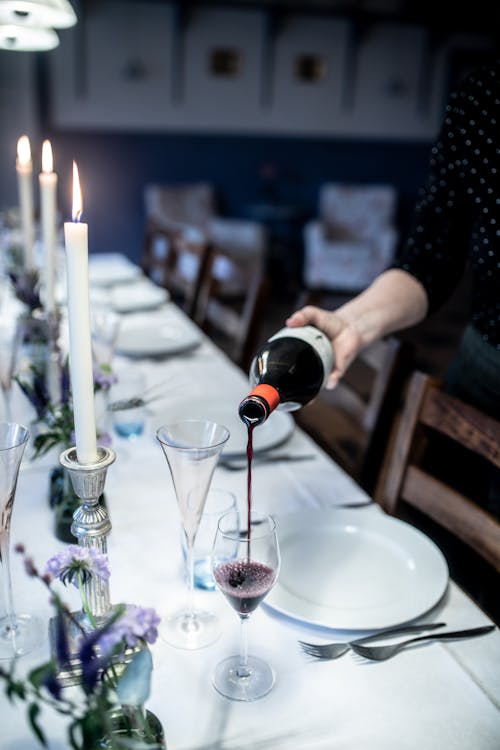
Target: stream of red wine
point(250, 428)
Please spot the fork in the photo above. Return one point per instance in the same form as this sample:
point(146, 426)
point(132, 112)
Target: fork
point(334, 650)
point(381, 653)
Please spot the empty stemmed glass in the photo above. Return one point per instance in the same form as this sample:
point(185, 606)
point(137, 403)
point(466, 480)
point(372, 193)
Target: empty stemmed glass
point(192, 448)
point(245, 564)
point(19, 633)
point(105, 326)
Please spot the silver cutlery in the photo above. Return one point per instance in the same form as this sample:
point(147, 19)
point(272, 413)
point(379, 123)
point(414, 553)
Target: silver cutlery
point(334, 650)
point(135, 402)
point(238, 464)
point(381, 653)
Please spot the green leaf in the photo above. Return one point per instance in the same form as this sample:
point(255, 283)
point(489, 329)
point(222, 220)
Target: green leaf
point(134, 685)
point(37, 676)
point(33, 712)
point(74, 730)
point(15, 689)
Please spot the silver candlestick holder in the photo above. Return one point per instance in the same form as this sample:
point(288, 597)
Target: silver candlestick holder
point(91, 526)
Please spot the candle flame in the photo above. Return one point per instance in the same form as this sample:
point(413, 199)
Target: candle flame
point(77, 195)
point(47, 161)
point(24, 150)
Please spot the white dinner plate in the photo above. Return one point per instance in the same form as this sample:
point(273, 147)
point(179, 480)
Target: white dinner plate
point(275, 430)
point(137, 296)
point(351, 570)
point(106, 269)
point(156, 339)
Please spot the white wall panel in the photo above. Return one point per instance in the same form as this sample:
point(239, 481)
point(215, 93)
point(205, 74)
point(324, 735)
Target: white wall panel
point(95, 89)
point(387, 88)
point(219, 102)
point(300, 105)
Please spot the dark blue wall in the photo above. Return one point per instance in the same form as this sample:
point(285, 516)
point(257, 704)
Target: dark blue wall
point(114, 167)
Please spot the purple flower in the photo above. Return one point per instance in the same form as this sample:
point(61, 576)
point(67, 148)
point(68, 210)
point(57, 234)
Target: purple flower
point(30, 568)
point(136, 624)
point(103, 377)
point(75, 560)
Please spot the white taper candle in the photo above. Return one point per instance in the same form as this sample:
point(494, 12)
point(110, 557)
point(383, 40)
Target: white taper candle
point(80, 346)
point(24, 169)
point(48, 209)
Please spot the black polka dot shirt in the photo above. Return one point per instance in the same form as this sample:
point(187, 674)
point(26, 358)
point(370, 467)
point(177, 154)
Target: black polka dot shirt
point(456, 225)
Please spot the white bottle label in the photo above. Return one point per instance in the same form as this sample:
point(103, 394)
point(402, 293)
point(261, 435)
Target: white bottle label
point(317, 339)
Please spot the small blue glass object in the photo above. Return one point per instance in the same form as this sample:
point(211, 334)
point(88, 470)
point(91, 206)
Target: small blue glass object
point(129, 429)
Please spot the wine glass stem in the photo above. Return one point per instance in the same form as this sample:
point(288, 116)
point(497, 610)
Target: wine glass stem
point(190, 562)
point(7, 580)
point(243, 669)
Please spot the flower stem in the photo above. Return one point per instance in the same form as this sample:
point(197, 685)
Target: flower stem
point(85, 604)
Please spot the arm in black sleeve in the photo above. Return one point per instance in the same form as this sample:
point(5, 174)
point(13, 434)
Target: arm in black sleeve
point(436, 249)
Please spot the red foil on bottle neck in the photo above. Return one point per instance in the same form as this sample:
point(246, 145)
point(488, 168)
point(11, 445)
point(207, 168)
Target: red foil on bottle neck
point(268, 393)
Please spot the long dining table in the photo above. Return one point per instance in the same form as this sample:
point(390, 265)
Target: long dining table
point(440, 695)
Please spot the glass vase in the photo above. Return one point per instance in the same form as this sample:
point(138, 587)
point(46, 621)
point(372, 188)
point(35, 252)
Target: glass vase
point(132, 728)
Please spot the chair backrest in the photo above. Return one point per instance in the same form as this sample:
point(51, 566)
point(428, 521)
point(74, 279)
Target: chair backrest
point(242, 238)
point(351, 211)
point(230, 304)
point(351, 422)
point(175, 207)
point(409, 480)
point(176, 261)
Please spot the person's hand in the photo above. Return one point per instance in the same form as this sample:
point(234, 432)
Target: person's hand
point(346, 340)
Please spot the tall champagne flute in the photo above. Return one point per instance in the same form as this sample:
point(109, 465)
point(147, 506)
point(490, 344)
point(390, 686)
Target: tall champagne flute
point(245, 564)
point(19, 633)
point(192, 448)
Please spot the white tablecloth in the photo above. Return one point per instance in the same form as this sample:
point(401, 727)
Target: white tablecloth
point(440, 696)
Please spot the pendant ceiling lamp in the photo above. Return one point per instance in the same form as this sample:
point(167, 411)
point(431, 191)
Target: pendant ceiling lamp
point(38, 13)
point(27, 38)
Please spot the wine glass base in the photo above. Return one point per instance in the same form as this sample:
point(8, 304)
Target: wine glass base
point(190, 630)
point(28, 635)
point(255, 685)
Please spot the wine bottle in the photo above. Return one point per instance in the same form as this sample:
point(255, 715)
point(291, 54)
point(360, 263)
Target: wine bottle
point(287, 372)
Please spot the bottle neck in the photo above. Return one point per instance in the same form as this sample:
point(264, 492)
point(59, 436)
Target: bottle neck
point(258, 405)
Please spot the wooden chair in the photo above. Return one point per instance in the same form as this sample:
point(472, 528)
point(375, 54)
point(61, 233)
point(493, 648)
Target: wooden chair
point(409, 480)
point(230, 304)
point(176, 261)
point(179, 206)
point(352, 422)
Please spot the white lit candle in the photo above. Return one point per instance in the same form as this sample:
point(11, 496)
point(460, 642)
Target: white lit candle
point(48, 190)
point(80, 348)
point(24, 169)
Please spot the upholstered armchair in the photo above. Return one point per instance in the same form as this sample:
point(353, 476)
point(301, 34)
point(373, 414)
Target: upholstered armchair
point(353, 239)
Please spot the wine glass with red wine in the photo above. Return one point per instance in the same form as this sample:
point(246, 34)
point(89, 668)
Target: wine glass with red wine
point(245, 564)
